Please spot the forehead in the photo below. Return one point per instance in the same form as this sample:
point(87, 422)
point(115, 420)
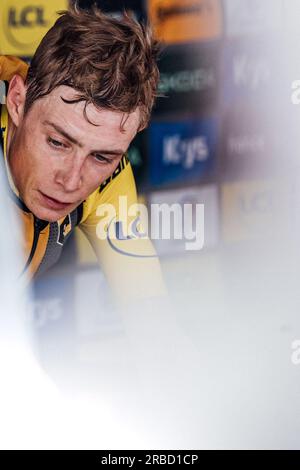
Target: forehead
point(103, 122)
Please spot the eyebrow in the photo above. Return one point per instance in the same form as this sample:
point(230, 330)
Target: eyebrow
point(61, 131)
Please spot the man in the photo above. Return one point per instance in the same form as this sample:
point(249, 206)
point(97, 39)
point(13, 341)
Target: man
point(66, 126)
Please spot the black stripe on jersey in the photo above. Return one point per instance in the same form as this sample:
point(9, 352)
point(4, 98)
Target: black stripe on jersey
point(79, 214)
point(6, 83)
point(123, 163)
point(2, 129)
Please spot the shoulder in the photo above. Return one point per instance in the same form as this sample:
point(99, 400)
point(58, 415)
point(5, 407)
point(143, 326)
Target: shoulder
point(9, 66)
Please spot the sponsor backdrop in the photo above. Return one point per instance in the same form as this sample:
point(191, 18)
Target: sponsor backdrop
point(246, 17)
point(116, 7)
point(182, 150)
point(207, 195)
point(210, 131)
point(181, 21)
point(189, 78)
point(25, 22)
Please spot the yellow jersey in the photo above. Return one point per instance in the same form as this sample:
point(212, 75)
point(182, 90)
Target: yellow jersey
point(129, 263)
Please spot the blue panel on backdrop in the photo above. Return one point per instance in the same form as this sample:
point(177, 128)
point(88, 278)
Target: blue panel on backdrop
point(183, 150)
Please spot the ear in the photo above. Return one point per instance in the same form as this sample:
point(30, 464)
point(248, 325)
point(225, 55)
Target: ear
point(15, 100)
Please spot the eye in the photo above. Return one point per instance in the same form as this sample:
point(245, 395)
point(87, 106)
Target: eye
point(100, 158)
point(55, 143)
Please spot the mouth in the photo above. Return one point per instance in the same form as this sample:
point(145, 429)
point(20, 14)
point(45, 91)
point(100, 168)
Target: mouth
point(54, 203)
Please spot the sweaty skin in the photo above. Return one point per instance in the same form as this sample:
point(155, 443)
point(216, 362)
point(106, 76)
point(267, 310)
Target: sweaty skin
point(55, 152)
point(57, 161)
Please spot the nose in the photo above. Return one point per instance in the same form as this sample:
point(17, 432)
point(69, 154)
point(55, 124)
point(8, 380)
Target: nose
point(70, 175)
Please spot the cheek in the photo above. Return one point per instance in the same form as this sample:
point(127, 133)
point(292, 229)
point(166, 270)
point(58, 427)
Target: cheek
point(38, 159)
point(91, 182)
point(41, 167)
point(95, 175)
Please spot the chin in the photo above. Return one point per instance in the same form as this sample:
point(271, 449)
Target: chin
point(48, 215)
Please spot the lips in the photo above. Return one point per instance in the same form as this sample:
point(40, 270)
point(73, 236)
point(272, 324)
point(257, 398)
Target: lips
point(54, 203)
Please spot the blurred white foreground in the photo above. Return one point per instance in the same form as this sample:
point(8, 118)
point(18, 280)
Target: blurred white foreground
point(34, 414)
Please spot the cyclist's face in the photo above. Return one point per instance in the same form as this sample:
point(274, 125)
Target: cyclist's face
point(58, 158)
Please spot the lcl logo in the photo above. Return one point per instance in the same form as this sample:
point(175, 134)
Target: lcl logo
point(23, 23)
point(27, 17)
point(24, 26)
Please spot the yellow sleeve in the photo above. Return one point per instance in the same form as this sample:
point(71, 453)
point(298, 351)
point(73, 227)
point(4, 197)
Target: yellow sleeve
point(127, 258)
point(9, 66)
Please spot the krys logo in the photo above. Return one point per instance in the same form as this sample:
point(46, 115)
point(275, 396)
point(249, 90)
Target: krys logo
point(25, 22)
point(185, 152)
point(250, 72)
